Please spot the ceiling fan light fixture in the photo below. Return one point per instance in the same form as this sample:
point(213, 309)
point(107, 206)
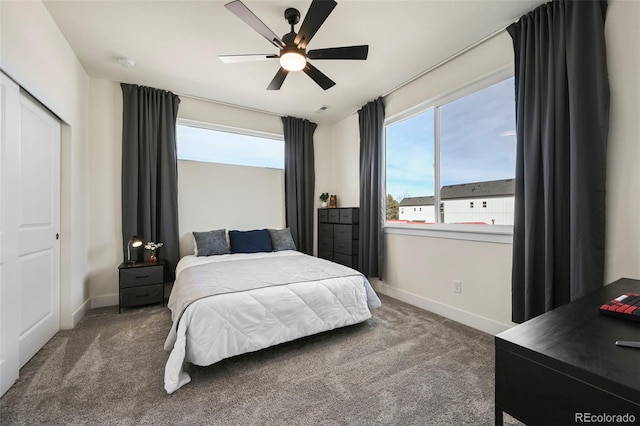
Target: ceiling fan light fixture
point(293, 60)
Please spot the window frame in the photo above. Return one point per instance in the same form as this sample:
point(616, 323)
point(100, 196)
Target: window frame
point(229, 129)
point(491, 233)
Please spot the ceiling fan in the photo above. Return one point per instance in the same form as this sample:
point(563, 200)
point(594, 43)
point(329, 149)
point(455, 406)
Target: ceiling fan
point(293, 46)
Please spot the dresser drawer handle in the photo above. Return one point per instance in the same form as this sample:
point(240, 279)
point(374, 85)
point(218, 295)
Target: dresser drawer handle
point(142, 277)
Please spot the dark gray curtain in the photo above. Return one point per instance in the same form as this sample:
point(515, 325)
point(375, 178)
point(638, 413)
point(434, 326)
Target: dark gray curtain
point(299, 180)
point(150, 171)
point(371, 238)
point(562, 115)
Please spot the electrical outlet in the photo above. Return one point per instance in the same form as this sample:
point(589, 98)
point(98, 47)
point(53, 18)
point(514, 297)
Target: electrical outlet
point(457, 286)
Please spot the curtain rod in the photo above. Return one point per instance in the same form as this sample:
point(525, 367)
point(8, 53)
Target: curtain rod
point(450, 58)
point(444, 61)
point(200, 98)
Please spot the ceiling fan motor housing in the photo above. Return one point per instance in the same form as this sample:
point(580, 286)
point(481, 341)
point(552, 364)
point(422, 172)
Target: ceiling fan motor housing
point(292, 16)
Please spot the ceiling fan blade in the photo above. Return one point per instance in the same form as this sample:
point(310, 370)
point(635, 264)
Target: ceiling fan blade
point(233, 59)
point(277, 81)
point(316, 15)
point(349, 52)
point(241, 11)
point(317, 76)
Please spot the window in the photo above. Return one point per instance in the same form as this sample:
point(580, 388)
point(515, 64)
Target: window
point(409, 157)
point(199, 142)
point(458, 149)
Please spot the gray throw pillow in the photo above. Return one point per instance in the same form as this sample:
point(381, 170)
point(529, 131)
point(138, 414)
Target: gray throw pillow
point(211, 243)
point(281, 239)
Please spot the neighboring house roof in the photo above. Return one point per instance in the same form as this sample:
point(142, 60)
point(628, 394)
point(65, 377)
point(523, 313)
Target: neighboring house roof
point(417, 201)
point(493, 188)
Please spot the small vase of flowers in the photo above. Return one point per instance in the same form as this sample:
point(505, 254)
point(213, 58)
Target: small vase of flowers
point(323, 198)
point(153, 258)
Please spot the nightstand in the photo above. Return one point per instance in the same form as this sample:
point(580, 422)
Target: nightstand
point(141, 283)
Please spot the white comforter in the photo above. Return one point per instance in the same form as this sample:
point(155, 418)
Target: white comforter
point(245, 317)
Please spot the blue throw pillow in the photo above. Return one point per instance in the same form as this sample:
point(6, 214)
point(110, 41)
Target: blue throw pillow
point(255, 241)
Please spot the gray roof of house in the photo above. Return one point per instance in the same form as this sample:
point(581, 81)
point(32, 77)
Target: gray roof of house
point(493, 188)
point(417, 201)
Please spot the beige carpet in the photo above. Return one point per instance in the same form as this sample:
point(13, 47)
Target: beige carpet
point(403, 367)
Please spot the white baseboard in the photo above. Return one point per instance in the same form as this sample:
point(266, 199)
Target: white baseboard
point(472, 320)
point(78, 314)
point(106, 300)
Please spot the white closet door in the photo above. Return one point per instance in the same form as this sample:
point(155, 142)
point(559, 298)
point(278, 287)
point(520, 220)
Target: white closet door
point(29, 226)
point(9, 276)
point(38, 227)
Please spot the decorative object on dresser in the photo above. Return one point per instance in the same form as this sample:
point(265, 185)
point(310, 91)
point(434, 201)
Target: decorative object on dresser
point(153, 257)
point(134, 242)
point(338, 235)
point(140, 284)
point(323, 199)
point(333, 201)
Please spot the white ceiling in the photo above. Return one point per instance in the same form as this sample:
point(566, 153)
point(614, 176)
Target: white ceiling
point(175, 45)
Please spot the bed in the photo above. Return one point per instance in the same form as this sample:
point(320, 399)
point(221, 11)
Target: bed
point(230, 304)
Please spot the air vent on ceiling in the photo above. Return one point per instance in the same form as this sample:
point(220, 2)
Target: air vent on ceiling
point(323, 108)
point(126, 62)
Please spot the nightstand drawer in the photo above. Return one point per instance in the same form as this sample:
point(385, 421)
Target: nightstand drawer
point(134, 277)
point(142, 295)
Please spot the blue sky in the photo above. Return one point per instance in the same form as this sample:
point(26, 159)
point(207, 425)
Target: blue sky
point(230, 148)
point(477, 143)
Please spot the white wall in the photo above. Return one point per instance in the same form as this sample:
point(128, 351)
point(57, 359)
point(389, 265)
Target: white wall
point(214, 196)
point(345, 162)
point(105, 206)
point(622, 246)
point(36, 55)
point(421, 270)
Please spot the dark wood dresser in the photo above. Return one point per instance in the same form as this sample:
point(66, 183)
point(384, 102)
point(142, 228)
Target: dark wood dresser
point(338, 235)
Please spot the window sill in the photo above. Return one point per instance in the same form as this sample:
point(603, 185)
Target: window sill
point(500, 234)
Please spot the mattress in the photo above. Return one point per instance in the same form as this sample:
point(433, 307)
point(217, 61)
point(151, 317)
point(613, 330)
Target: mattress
point(228, 305)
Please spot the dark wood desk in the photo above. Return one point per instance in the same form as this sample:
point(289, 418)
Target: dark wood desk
point(562, 366)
